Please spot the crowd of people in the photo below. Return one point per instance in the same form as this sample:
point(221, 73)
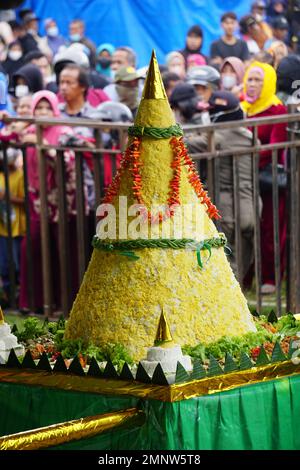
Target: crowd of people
point(251, 71)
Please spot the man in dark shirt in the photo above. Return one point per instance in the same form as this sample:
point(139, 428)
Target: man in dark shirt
point(228, 45)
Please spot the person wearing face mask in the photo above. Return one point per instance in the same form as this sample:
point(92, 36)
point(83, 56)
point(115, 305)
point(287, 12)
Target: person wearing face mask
point(76, 34)
point(176, 64)
point(261, 101)
point(28, 79)
point(14, 60)
point(54, 39)
point(125, 88)
point(232, 73)
point(104, 57)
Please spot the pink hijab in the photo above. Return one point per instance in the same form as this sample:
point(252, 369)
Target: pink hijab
point(237, 65)
point(51, 134)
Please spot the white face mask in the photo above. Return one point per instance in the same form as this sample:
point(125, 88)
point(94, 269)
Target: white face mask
point(14, 55)
point(21, 90)
point(53, 31)
point(228, 81)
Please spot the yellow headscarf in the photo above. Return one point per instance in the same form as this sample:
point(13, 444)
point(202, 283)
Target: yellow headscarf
point(267, 97)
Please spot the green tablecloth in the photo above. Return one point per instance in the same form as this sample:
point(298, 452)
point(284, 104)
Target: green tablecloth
point(260, 416)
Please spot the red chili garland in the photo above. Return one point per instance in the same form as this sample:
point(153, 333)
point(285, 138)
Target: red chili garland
point(132, 161)
point(181, 151)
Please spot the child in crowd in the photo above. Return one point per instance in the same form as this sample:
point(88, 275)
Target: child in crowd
point(16, 214)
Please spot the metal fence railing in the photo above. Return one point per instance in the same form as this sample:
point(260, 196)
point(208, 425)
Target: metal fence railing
point(75, 234)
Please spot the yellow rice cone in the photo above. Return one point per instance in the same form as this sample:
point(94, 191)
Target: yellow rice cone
point(120, 300)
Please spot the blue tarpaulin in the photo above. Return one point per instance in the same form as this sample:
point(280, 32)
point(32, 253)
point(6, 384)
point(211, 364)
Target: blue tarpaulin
point(141, 24)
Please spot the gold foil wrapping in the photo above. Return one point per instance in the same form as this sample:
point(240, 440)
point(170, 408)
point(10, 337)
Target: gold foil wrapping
point(154, 88)
point(1, 317)
point(68, 431)
point(171, 393)
point(163, 334)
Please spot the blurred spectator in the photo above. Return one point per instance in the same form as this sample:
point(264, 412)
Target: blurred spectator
point(225, 107)
point(280, 28)
point(112, 112)
point(6, 32)
point(232, 75)
point(294, 21)
point(16, 29)
point(77, 53)
point(12, 132)
point(170, 80)
point(76, 34)
point(7, 15)
point(28, 79)
point(73, 55)
point(193, 44)
point(250, 30)
point(195, 60)
point(258, 10)
point(288, 83)
point(205, 79)
point(228, 45)
point(3, 49)
point(279, 50)
point(17, 217)
point(104, 54)
point(184, 101)
point(45, 105)
point(276, 8)
point(122, 57)
point(265, 57)
point(41, 61)
point(54, 40)
point(261, 101)
point(73, 87)
point(126, 88)
point(31, 39)
point(176, 64)
point(14, 59)
point(23, 107)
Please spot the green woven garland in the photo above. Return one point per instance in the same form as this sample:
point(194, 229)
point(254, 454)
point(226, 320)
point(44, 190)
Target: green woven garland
point(124, 247)
point(156, 132)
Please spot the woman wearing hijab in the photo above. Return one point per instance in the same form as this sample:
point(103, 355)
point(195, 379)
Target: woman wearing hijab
point(45, 105)
point(232, 76)
point(28, 79)
point(104, 54)
point(261, 101)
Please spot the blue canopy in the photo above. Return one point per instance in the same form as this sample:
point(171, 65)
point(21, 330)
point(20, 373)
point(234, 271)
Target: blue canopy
point(142, 24)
